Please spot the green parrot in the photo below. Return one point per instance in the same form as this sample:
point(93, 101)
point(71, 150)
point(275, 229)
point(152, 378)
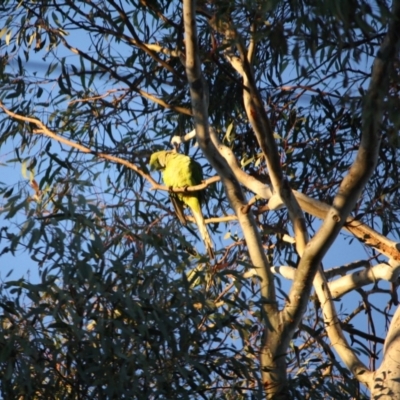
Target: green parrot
point(179, 170)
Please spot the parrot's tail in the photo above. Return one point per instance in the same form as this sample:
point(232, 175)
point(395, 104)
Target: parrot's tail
point(204, 233)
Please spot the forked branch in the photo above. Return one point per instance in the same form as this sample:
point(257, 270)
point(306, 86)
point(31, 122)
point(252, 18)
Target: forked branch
point(198, 92)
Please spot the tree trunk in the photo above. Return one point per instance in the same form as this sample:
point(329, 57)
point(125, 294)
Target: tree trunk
point(386, 384)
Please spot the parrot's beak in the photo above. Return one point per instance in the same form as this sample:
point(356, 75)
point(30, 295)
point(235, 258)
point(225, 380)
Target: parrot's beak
point(176, 142)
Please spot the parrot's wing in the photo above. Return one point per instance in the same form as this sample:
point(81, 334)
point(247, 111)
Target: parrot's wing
point(178, 207)
point(197, 171)
point(197, 179)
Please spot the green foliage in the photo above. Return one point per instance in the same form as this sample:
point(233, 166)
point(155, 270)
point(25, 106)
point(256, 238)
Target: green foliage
point(114, 314)
point(126, 332)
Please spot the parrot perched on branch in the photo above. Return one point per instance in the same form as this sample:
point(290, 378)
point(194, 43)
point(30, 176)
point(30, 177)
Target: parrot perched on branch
point(181, 171)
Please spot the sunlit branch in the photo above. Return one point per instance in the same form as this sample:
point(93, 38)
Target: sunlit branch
point(253, 42)
point(366, 234)
point(159, 49)
point(99, 97)
point(198, 92)
point(335, 333)
point(204, 185)
point(345, 284)
point(344, 269)
point(262, 128)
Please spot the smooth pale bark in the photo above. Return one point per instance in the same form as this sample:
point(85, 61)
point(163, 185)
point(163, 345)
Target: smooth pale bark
point(386, 380)
point(345, 284)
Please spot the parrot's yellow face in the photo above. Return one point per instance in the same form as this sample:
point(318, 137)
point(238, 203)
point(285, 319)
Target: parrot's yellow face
point(157, 160)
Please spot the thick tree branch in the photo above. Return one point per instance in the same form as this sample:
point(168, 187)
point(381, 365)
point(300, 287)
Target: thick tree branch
point(362, 231)
point(386, 377)
point(232, 187)
point(344, 202)
point(387, 272)
point(262, 128)
point(345, 284)
point(357, 177)
point(335, 333)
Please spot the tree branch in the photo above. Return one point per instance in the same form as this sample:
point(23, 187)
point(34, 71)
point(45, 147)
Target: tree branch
point(345, 284)
point(42, 129)
point(262, 128)
point(232, 188)
point(387, 376)
point(335, 333)
point(388, 272)
point(344, 202)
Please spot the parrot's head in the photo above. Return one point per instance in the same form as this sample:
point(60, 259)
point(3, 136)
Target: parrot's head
point(157, 160)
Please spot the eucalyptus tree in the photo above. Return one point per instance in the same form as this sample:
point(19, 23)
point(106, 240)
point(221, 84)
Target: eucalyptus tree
point(291, 109)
